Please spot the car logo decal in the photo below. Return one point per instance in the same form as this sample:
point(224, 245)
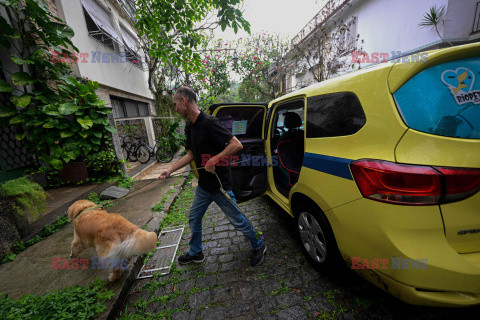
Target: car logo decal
point(460, 82)
point(472, 231)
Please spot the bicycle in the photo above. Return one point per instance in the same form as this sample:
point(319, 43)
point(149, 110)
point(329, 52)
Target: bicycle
point(125, 147)
point(143, 152)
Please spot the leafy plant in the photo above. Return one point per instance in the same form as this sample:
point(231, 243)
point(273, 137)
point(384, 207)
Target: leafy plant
point(26, 195)
point(433, 18)
point(68, 303)
point(51, 228)
point(60, 117)
point(103, 164)
point(125, 181)
point(95, 197)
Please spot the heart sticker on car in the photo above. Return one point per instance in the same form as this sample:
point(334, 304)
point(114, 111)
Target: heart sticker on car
point(460, 82)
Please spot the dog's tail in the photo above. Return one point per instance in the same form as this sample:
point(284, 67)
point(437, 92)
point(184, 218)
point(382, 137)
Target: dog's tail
point(139, 242)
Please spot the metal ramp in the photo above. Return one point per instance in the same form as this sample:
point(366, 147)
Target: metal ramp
point(161, 261)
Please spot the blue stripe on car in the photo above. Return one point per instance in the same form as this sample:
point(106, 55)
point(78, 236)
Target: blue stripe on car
point(331, 165)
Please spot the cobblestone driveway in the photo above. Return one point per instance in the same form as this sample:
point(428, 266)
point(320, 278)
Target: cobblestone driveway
point(284, 286)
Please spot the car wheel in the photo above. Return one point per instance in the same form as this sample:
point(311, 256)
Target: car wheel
point(317, 238)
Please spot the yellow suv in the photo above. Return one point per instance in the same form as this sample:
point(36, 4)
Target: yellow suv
point(380, 167)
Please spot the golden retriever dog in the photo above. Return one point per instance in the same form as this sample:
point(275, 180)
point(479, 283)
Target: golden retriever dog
point(112, 236)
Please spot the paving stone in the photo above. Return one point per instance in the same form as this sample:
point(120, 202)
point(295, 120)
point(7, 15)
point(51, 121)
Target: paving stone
point(222, 294)
point(114, 192)
point(210, 244)
point(251, 292)
point(318, 304)
point(217, 313)
point(269, 285)
point(186, 315)
point(289, 298)
point(232, 234)
point(218, 251)
point(292, 313)
point(238, 309)
point(207, 231)
point(207, 281)
point(221, 228)
point(220, 235)
point(199, 299)
point(224, 242)
point(186, 286)
point(265, 304)
point(227, 277)
point(226, 258)
point(229, 266)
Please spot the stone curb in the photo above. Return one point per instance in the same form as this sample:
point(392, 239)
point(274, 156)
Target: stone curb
point(117, 305)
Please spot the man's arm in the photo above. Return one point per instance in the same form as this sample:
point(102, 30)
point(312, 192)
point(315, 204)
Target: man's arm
point(186, 159)
point(233, 147)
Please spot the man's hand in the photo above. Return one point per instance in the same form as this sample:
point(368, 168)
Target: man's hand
point(165, 174)
point(210, 165)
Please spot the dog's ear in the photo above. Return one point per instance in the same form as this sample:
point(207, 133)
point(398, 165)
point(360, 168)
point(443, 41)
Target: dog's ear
point(77, 207)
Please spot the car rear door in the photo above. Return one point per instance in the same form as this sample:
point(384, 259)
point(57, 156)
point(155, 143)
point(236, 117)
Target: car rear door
point(249, 167)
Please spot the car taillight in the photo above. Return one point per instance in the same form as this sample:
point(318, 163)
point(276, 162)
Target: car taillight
point(413, 185)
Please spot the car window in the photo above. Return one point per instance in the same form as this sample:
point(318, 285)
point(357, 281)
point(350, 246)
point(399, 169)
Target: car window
point(334, 114)
point(243, 122)
point(297, 107)
point(443, 100)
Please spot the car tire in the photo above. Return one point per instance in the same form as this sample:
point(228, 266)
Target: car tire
point(317, 239)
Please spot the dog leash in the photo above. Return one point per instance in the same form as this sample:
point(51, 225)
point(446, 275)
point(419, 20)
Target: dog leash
point(222, 190)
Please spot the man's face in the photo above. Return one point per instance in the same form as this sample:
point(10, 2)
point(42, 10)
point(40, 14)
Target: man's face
point(180, 105)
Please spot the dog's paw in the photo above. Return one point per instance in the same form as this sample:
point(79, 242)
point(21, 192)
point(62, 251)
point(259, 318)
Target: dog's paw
point(113, 276)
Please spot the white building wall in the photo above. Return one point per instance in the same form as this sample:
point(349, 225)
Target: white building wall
point(122, 76)
point(460, 18)
point(387, 25)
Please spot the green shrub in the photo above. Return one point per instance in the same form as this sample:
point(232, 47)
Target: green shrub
point(103, 164)
point(26, 194)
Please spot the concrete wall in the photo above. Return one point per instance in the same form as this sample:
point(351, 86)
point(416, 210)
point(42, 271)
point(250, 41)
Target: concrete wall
point(122, 76)
point(460, 18)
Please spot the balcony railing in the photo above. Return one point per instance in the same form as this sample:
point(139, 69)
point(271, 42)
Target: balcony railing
point(476, 20)
point(330, 7)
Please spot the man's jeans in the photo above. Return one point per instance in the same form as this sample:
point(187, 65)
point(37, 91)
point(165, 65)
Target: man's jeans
point(200, 204)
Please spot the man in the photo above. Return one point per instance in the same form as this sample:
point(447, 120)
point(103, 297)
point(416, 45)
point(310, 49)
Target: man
point(205, 135)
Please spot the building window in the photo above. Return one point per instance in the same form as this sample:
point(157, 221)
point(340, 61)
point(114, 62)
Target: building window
point(126, 108)
point(131, 46)
point(99, 25)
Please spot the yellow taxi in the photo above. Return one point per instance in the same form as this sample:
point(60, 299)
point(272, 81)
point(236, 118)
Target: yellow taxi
point(380, 168)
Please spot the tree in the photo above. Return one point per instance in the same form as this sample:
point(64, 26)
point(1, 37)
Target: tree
point(171, 31)
point(433, 18)
point(324, 54)
point(262, 66)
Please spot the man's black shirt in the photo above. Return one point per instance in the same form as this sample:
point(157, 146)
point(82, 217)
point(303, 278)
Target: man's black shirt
point(207, 136)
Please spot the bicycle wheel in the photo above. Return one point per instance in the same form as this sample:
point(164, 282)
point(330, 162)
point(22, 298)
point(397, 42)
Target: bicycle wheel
point(126, 151)
point(132, 153)
point(164, 154)
point(143, 154)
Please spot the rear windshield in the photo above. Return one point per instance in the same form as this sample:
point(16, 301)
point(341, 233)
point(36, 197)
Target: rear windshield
point(443, 100)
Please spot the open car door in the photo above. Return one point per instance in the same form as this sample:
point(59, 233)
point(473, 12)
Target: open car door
point(246, 122)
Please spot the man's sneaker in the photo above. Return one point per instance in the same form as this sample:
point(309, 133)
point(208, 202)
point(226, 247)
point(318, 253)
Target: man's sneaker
point(258, 255)
point(186, 258)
